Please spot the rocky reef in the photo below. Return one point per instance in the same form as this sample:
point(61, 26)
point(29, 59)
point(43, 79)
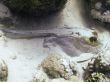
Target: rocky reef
point(100, 9)
point(56, 68)
point(97, 70)
point(97, 77)
point(35, 7)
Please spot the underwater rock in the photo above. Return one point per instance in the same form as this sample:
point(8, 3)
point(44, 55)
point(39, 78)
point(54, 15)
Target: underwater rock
point(3, 71)
point(40, 77)
point(57, 66)
point(98, 68)
point(73, 79)
point(97, 77)
point(100, 9)
point(35, 7)
point(6, 19)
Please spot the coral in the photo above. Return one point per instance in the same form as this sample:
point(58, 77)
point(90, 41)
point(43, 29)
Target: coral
point(36, 7)
point(57, 66)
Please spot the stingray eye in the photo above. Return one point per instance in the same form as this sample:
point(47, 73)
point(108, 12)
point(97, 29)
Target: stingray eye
point(93, 39)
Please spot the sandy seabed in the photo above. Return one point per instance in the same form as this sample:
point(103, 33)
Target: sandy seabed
point(23, 56)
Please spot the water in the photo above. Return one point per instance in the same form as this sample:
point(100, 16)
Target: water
point(24, 55)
